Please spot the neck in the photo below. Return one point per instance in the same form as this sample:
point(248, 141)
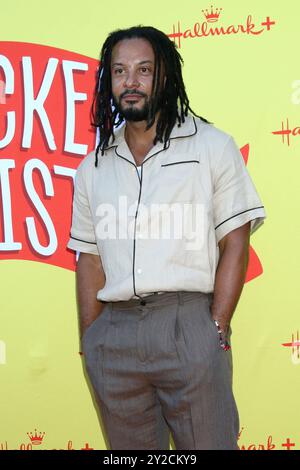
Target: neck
point(136, 132)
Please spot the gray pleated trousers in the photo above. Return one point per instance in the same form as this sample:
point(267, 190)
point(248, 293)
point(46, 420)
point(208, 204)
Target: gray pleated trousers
point(159, 368)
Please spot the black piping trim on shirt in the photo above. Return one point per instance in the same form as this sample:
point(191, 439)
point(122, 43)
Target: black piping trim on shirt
point(184, 161)
point(247, 210)
point(134, 239)
point(121, 156)
point(111, 147)
point(141, 181)
point(189, 135)
point(84, 241)
point(171, 138)
point(156, 153)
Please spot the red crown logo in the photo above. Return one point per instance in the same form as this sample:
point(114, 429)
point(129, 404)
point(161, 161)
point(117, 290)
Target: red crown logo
point(212, 16)
point(36, 439)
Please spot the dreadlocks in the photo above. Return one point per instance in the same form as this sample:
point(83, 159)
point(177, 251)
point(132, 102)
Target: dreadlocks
point(174, 101)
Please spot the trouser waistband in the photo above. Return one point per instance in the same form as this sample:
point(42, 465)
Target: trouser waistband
point(160, 299)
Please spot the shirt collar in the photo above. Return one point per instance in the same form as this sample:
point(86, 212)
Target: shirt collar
point(187, 129)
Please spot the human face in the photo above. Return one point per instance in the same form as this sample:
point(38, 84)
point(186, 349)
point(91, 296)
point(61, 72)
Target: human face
point(132, 70)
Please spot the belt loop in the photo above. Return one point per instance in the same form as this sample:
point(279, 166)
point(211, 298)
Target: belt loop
point(180, 297)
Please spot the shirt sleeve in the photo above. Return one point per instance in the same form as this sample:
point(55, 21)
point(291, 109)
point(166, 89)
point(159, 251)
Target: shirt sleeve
point(235, 200)
point(82, 234)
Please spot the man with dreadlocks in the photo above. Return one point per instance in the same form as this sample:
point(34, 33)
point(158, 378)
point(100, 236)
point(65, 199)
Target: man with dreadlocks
point(155, 308)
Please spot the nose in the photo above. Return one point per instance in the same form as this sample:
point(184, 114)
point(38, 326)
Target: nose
point(131, 80)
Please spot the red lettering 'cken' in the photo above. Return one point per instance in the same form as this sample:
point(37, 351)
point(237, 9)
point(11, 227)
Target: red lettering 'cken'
point(46, 95)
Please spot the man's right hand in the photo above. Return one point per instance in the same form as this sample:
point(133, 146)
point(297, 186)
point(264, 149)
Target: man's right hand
point(90, 278)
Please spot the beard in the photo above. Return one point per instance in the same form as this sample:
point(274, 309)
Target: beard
point(131, 112)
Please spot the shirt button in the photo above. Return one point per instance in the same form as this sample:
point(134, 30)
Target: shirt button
point(139, 271)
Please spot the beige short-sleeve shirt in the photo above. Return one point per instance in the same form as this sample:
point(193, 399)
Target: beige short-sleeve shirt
point(157, 228)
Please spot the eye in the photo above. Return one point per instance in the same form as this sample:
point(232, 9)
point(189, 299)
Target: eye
point(116, 71)
point(145, 69)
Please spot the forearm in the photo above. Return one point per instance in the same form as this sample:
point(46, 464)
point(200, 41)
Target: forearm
point(229, 282)
point(89, 279)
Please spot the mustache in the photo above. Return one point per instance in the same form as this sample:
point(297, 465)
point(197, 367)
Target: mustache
point(131, 92)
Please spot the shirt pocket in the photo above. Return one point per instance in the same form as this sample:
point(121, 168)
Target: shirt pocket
point(178, 178)
point(181, 159)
